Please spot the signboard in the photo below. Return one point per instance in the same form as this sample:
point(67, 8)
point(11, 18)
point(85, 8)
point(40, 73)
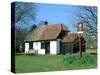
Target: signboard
point(79, 26)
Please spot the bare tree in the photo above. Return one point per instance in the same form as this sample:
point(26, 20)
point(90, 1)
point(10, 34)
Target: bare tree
point(88, 14)
point(24, 12)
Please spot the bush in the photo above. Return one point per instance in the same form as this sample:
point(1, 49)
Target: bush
point(87, 59)
point(68, 60)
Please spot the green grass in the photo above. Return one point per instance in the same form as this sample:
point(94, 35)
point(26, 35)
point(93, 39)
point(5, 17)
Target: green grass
point(74, 59)
point(42, 63)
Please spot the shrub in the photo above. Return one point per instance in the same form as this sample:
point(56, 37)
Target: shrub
point(68, 60)
point(87, 59)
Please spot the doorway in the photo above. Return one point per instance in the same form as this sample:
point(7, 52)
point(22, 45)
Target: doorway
point(47, 47)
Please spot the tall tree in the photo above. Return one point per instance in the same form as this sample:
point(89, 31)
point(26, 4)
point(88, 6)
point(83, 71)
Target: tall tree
point(20, 36)
point(33, 27)
point(24, 14)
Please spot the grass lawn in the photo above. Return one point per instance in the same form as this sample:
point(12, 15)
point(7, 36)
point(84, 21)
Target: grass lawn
point(43, 63)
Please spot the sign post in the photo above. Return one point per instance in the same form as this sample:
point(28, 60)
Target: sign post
point(80, 32)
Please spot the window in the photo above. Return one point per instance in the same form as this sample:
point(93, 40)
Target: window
point(42, 45)
point(31, 45)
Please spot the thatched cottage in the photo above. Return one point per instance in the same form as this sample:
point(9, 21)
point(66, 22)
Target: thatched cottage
point(53, 39)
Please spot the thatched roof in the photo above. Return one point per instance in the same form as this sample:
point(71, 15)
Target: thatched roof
point(70, 37)
point(45, 32)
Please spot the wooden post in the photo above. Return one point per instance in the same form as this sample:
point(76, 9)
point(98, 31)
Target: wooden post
point(80, 45)
point(80, 32)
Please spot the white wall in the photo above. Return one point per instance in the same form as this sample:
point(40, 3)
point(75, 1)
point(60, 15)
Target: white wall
point(53, 47)
point(26, 47)
point(41, 51)
point(37, 46)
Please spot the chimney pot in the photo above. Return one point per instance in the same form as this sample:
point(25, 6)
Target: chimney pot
point(46, 23)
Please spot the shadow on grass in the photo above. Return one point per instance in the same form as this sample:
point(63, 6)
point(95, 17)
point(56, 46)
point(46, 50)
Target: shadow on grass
point(28, 54)
point(93, 53)
point(19, 53)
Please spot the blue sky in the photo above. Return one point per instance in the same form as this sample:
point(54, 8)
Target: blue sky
point(56, 13)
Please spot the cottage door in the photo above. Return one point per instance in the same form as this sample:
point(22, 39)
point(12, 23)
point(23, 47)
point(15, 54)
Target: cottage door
point(47, 47)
